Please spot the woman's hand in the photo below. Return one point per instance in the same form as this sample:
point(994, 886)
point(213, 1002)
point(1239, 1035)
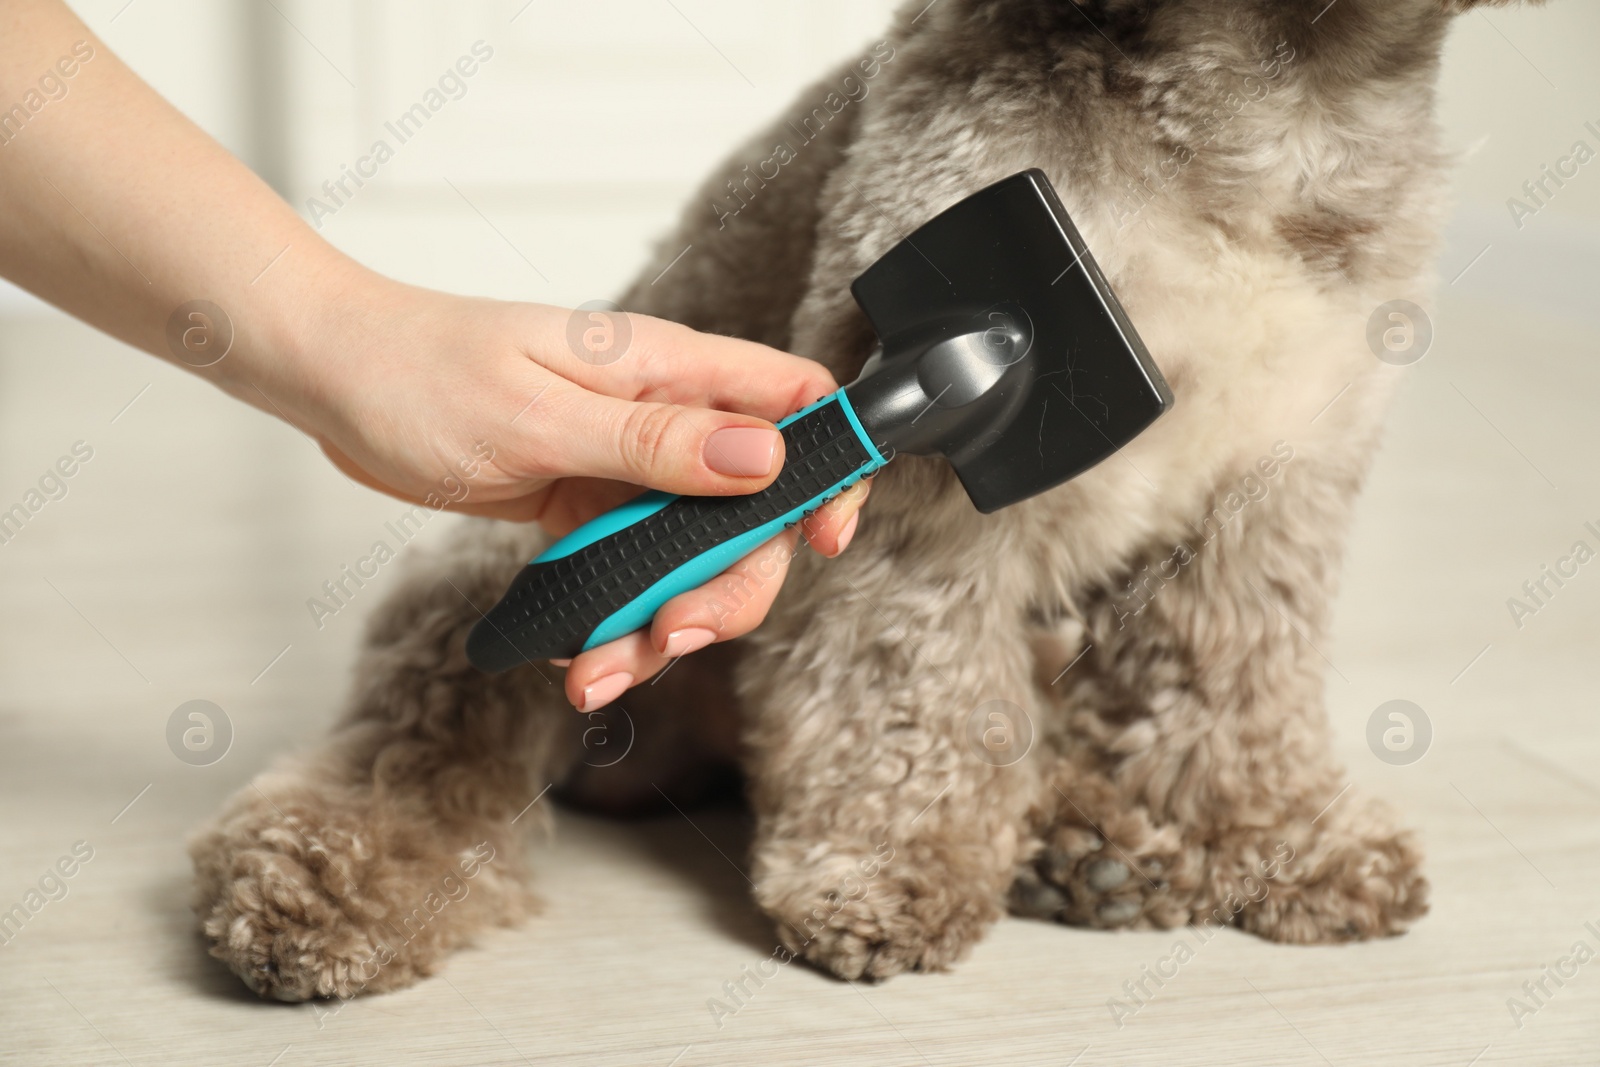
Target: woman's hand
point(502, 410)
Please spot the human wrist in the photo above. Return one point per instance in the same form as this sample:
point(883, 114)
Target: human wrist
point(296, 347)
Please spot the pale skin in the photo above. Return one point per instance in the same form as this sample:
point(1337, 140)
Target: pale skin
point(119, 210)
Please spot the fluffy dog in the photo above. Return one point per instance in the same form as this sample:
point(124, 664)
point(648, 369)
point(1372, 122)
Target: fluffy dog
point(1256, 178)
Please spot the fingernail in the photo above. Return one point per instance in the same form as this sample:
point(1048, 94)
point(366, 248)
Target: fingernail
point(848, 534)
point(561, 663)
point(683, 642)
point(604, 691)
point(742, 451)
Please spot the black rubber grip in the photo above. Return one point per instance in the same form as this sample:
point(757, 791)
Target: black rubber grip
point(554, 607)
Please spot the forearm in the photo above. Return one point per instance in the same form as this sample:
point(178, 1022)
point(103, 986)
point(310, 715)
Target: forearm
point(120, 210)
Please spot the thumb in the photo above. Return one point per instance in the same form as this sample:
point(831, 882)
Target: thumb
point(684, 450)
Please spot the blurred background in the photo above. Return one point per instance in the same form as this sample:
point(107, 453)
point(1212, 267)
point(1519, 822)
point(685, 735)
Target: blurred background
point(583, 135)
point(179, 564)
point(580, 138)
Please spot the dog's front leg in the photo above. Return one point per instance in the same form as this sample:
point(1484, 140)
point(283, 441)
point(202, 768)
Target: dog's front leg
point(356, 866)
point(888, 823)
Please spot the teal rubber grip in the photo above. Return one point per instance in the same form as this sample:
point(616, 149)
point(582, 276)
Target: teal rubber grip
point(610, 577)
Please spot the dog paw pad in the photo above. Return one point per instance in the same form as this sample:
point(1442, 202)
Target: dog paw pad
point(1106, 875)
point(1033, 898)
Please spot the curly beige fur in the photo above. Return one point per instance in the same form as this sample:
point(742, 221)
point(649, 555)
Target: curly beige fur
point(1255, 181)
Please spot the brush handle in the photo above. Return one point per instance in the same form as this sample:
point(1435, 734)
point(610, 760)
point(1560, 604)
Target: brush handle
point(609, 578)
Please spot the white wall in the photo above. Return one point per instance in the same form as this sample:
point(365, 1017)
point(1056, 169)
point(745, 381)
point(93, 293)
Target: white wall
point(1519, 86)
point(577, 141)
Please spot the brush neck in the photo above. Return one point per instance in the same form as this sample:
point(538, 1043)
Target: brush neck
point(928, 393)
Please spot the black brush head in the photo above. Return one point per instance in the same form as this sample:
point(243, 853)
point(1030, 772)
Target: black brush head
point(1074, 382)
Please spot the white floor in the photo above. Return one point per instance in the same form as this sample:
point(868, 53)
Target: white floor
point(177, 568)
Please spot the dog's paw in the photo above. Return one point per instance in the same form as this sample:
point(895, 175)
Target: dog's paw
point(872, 918)
point(1081, 879)
point(1352, 882)
point(303, 895)
point(270, 916)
